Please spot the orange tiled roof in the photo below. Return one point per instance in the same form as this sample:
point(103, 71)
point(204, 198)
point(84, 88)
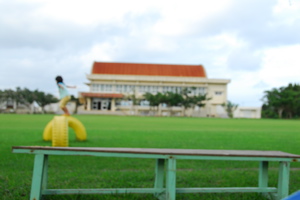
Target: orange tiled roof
point(148, 69)
point(103, 95)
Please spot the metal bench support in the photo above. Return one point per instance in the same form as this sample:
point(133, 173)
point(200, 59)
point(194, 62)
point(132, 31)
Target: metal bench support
point(39, 177)
point(159, 178)
point(263, 176)
point(283, 180)
point(171, 179)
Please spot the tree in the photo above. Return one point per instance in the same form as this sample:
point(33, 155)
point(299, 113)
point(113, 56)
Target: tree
point(230, 108)
point(172, 99)
point(183, 98)
point(9, 97)
point(135, 100)
point(154, 99)
point(199, 99)
point(26, 97)
point(43, 99)
point(273, 101)
point(282, 102)
point(292, 96)
point(77, 103)
point(189, 100)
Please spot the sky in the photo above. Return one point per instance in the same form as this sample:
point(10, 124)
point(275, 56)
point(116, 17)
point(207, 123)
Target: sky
point(253, 43)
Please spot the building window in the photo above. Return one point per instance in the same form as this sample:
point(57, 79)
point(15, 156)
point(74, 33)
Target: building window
point(101, 88)
point(142, 89)
point(171, 89)
point(148, 88)
point(178, 89)
point(125, 103)
point(200, 91)
point(125, 88)
point(218, 93)
point(106, 88)
point(164, 105)
point(197, 91)
point(95, 87)
point(128, 89)
point(144, 103)
point(165, 89)
point(119, 88)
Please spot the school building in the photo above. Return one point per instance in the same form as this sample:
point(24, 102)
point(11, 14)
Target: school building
point(112, 87)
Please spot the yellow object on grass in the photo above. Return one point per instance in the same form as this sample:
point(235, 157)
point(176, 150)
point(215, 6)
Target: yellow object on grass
point(72, 122)
point(60, 132)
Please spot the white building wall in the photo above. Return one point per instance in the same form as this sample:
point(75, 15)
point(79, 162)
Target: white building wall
point(247, 112)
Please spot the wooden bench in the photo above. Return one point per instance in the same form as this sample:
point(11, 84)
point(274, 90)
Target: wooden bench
point(163, 189)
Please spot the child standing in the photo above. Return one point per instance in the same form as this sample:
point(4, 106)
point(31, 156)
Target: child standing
point(64, 94)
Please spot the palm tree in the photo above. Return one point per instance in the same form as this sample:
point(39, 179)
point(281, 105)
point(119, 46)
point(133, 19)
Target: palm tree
point(230, 108)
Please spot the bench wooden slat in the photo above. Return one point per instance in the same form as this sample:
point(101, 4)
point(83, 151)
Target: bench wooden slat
point(102, 191)
point(226, 190)
point(155, 190)
point(160, 151)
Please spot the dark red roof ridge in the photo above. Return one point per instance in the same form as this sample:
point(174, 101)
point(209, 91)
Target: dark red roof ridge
point(177, 70)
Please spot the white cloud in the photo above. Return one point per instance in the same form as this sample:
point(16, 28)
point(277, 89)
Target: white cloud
point(99, 52)
point(244, 59)
point(281, 66)
point(89, 12)
point(180, 18)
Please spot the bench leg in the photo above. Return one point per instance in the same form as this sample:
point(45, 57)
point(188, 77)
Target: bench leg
point(263, 175)
point(171, 179)
point(283, 180)
point(45, 173)
point(38, 181)
point(159, 177)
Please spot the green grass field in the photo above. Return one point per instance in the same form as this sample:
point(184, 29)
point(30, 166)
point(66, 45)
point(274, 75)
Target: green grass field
point(145, 132)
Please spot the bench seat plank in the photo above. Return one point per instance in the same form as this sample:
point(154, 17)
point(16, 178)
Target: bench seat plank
point(160, 151)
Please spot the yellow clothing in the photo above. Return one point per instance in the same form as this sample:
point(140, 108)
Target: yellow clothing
point(63, 102)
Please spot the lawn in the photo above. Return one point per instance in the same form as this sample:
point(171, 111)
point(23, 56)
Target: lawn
point(146, 132)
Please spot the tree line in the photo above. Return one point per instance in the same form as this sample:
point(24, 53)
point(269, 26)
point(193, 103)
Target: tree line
point(26, 97)
point(283, 102)
point(182, 98)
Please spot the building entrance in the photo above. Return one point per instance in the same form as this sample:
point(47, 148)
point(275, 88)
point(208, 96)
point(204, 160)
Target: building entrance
point(101, 104)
